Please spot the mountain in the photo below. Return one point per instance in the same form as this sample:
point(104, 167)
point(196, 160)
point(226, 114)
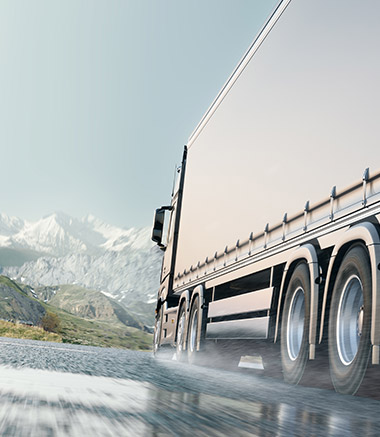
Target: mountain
point(85, 303)
point(59, 249)
point(85, 316)
point(10, 225)
point(16, 305)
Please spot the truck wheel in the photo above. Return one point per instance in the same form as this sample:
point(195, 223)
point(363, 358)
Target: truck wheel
point(295, 325)
point(157, 333)
point(193, 332)
point(350, 322)
point(181, 331)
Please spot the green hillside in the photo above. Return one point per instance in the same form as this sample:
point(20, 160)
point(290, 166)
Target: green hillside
point(98, 321)
point(78, 330)
point(17, 330)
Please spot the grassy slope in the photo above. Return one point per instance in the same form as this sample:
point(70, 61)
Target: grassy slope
point(15, 330)
point(99, 332)
point(73, 329)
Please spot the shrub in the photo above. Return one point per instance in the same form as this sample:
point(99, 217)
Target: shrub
point(50, 322)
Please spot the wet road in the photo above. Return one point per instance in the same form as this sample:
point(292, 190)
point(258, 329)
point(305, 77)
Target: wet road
point(48, 389)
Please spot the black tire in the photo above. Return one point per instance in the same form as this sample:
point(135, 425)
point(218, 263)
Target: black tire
point(157, 332)
point(350, 322)
point(295, 325)
point(181, 332)
point(194, 333)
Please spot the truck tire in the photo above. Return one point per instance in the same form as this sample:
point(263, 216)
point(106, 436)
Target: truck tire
point(181, 332)
point(295, 325)
point(350, 322)
point(193, 330)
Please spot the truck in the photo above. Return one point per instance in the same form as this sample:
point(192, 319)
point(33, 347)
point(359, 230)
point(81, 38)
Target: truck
point(273, 228)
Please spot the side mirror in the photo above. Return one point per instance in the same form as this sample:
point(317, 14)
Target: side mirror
point(158, 226)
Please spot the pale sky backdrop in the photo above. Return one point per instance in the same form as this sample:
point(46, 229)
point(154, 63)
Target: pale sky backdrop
point(97, 98)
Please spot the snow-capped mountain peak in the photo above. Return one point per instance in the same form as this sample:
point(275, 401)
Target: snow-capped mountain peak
point(88, 252)
point(10, 225)
point(51, 235)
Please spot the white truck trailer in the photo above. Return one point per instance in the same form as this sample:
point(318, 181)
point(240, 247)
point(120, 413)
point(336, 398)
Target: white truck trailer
point(274, 222)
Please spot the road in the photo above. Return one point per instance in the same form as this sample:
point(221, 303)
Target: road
point(49, 389)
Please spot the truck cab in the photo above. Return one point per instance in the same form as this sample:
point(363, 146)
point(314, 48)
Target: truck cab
point(165, 234)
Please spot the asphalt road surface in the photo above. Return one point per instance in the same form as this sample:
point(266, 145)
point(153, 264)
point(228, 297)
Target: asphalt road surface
point(49, 389)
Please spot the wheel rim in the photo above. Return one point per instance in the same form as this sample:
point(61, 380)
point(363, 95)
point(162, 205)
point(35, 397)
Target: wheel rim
point(350, 320)
point(181, 327)
point(193, 331)
point(296, 323)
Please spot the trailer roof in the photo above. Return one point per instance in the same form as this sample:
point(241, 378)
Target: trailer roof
point(264, 31)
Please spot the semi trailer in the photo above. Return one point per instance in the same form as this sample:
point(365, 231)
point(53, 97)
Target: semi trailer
point(273, 229)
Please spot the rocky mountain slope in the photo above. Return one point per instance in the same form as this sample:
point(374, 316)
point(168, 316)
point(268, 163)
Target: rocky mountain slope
point(16, 305)
point(59, 249)
point(85, 303)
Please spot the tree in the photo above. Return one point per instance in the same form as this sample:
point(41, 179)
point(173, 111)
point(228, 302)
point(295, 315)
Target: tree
point(50, 322)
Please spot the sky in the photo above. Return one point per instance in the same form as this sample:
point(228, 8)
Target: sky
point(97, 98)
